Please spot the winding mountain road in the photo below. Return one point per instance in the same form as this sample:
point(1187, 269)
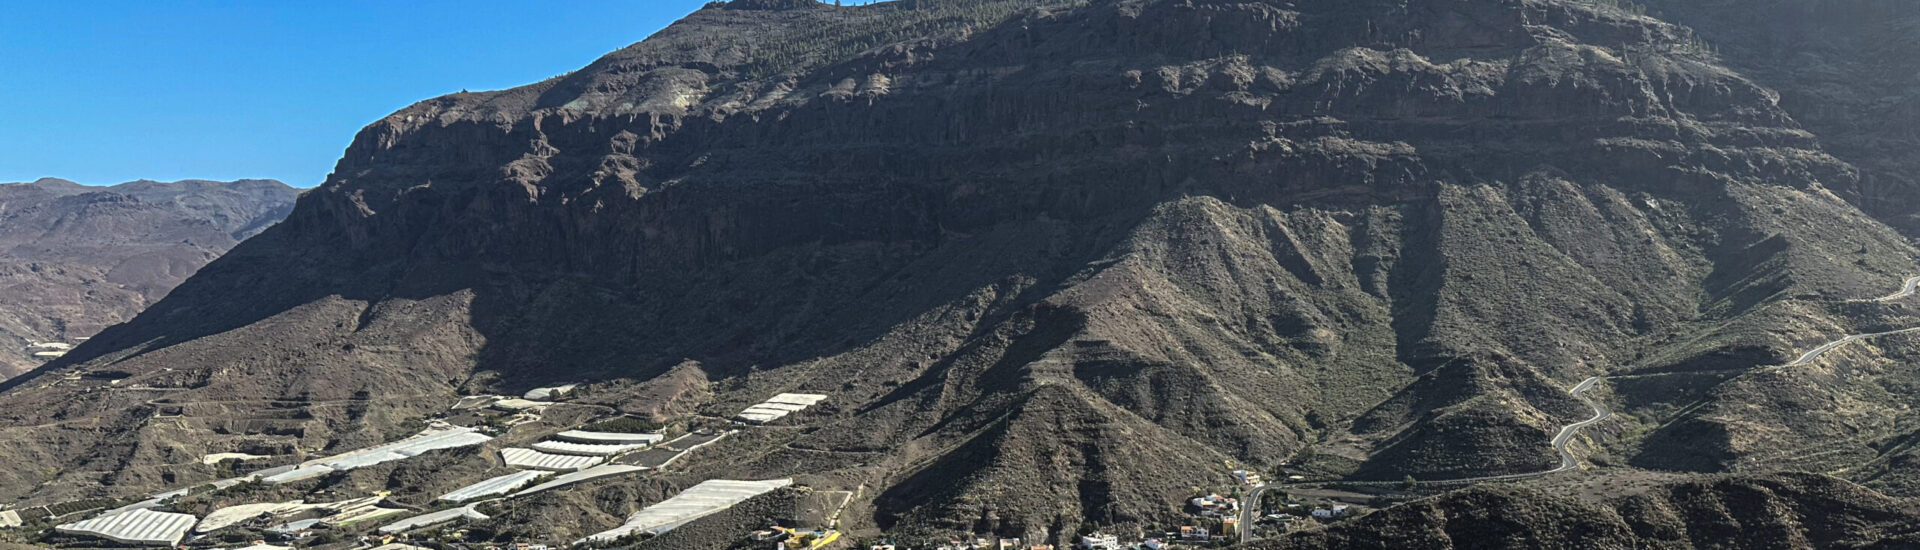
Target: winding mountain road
point(1815, 353)
point(1565, 437)
point(1907, 288)
point(1250, 511)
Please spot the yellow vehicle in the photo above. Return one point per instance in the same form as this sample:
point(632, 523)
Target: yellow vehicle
point(816, 539)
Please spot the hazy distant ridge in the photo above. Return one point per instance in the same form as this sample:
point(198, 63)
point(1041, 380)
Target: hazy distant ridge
point(76, 258)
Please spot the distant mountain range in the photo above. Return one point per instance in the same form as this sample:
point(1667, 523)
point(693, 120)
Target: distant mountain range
point(75, 259)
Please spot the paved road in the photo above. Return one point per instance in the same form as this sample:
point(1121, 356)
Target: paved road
point(1815, 353)
point(1907, 288)
point(1250, 509)
point(1564, 438)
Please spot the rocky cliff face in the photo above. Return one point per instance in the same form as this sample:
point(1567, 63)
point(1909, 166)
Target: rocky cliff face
point(75, 259)
point(1054, 262)
point(1846, 70)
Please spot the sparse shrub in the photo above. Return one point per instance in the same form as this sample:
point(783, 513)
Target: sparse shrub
point(625, 424)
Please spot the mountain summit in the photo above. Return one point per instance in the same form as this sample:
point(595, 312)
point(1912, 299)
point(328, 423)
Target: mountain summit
point(1055, 263)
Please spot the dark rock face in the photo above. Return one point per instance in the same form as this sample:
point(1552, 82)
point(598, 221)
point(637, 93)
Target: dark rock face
point(75, 259)
point(1055, 262)
point(1844, 69)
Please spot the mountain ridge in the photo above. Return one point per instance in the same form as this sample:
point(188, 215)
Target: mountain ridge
point(1055, 262)
point(79, 258)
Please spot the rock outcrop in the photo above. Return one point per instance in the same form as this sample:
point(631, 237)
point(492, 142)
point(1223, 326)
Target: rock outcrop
point(1844, 69)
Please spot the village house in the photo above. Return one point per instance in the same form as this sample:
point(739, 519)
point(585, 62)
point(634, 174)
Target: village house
point(979, 543)
point(1337, 510)
point(1215, 505)
point(1100, 541)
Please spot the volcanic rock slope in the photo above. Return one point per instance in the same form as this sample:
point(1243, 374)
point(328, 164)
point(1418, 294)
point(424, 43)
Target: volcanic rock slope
point(1054, 261)
point(1845, 69)
point(1770, 511)
point(75, 259)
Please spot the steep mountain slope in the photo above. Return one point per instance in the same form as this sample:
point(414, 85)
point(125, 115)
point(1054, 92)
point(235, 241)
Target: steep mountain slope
point(1846, 69)
point(1778, 511)
point(75, 259)
point(1053, 261)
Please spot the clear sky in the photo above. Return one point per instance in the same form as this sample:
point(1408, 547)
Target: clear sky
point(102, 92)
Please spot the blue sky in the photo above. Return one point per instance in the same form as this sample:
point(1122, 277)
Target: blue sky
point(104, 92)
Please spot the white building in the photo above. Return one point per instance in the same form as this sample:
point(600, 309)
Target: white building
point(698, 501)
point(234, 515)
point(1215, 505)
point(264, 546)
point(495, 486)
point(1100, 541)
point(609, 438)
point(583, 449)
point(436, 518)
point(430, 440)
point(779, 406)
point(595, 472)
point(1326, 513)
point(140, 527)
point(528, 458)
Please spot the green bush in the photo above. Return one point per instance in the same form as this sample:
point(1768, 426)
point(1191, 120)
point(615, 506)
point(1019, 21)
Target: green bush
point(624, 425)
